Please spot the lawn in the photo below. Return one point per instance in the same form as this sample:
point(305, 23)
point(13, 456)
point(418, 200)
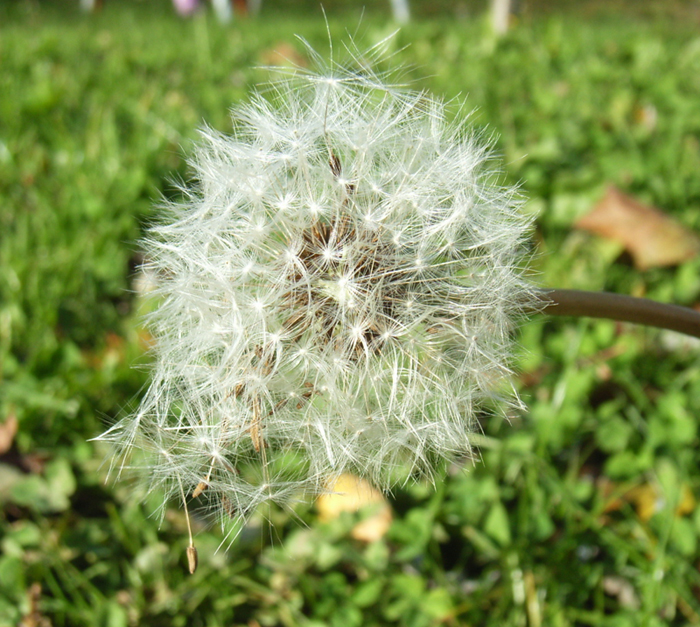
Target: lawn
point(581, 510)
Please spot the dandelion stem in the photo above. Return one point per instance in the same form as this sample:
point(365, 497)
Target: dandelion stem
point(559, 302)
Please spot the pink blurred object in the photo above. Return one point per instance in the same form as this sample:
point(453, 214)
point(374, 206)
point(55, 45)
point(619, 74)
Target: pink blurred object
point(186, 7)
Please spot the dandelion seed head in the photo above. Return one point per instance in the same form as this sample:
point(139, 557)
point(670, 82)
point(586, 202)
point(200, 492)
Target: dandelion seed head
point(337, 293)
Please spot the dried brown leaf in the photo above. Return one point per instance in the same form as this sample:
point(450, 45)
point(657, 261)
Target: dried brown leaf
point(652, 238)
point(34, 618)
point(351, 494)
point(8, 430)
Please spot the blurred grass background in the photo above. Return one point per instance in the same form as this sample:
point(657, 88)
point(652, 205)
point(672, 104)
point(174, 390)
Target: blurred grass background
point(582, 511)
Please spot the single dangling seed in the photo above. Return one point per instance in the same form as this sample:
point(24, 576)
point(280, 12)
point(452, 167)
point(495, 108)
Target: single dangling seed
point(192, 559)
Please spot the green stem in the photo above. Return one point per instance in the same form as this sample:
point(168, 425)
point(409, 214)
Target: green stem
point(618, 307)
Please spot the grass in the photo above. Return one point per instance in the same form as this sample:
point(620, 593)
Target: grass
point(581, 511)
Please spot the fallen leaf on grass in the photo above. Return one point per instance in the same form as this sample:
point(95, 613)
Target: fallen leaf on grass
point(34, 618)
point(8, 430)
point(652, 238)
point(647, 499)
point(351, 494)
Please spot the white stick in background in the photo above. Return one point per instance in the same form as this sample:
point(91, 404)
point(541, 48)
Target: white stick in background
point(401, 12)
point(223, 10)
point(500, 14)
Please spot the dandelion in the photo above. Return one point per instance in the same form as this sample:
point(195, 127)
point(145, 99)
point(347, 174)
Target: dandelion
point(337, 293)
